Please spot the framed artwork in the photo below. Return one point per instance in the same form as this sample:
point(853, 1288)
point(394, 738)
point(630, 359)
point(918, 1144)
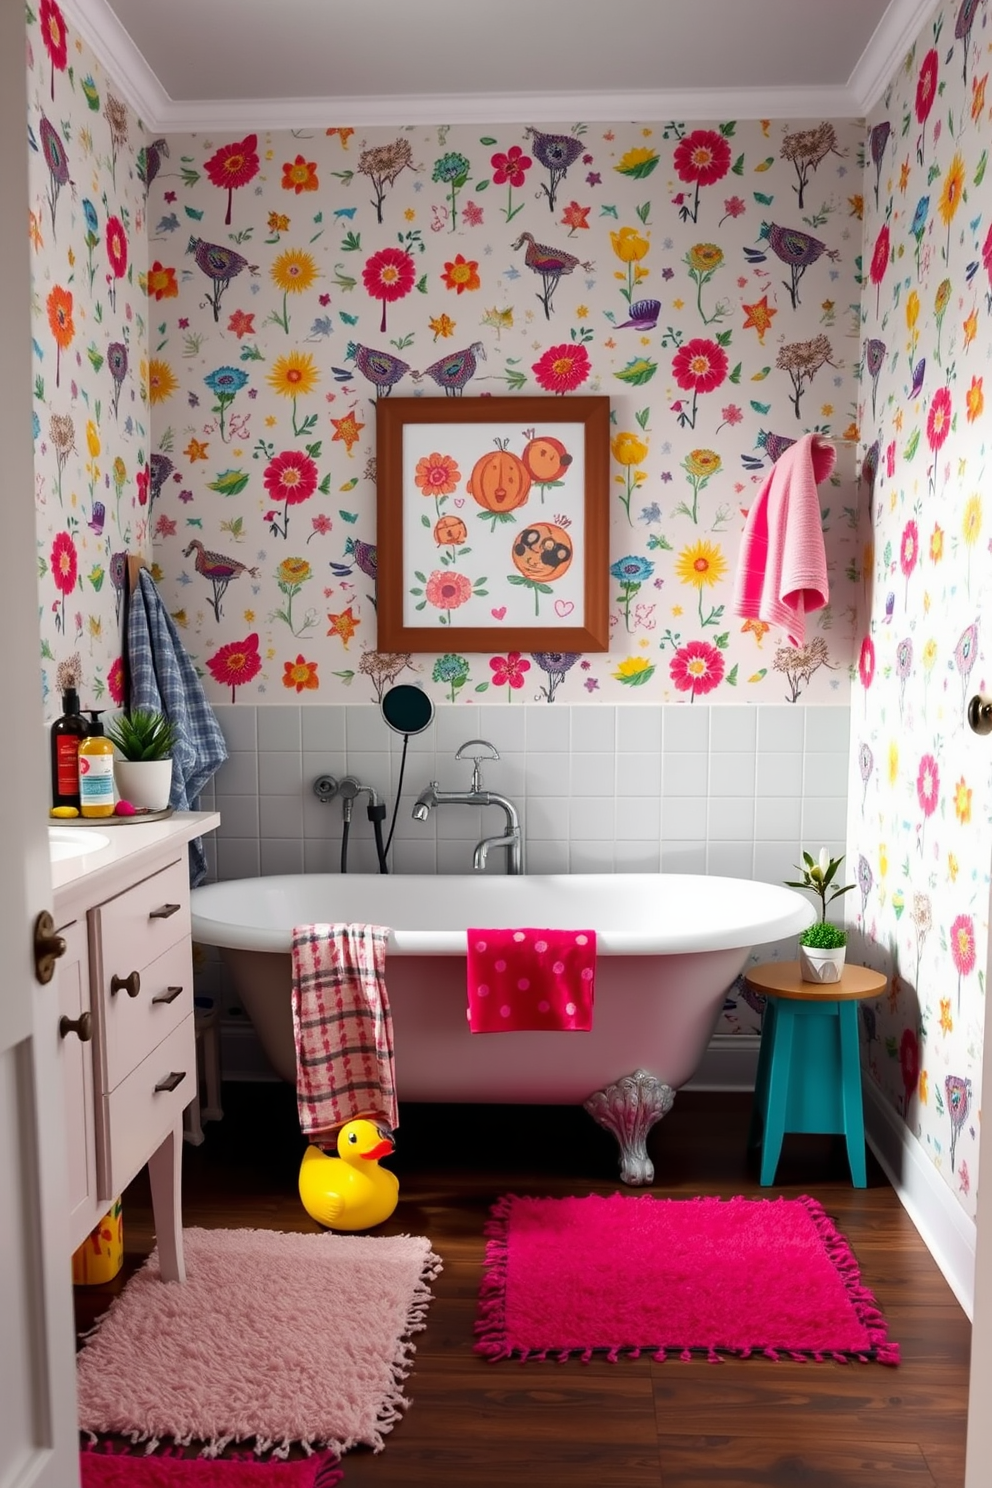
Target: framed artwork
point(493, 524)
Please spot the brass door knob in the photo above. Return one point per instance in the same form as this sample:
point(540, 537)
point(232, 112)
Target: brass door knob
point(82, 1027)
point(47, 947)
point(980, 714)
point(130, 984)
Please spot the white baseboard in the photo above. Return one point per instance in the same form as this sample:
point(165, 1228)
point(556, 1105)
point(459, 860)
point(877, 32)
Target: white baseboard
point(730, 1063)
point(946, 1231)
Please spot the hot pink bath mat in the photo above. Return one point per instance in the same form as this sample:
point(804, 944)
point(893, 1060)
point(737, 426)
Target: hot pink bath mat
point(104, 1469)
point(623, 1274)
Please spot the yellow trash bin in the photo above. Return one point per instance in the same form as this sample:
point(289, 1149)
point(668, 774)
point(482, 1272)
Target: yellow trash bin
point(101, 1254)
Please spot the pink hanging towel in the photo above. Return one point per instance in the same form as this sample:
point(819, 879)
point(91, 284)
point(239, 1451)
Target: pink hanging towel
point(782, 568)
point(343, 1028)
point(530, 979)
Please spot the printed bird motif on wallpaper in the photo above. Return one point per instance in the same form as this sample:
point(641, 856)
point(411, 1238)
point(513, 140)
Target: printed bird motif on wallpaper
point(452, 372)
point(381, 368)
point(550, 263)
point(220, 264)
point(218, 568)
point(364, 556)
point(150, 160)
point(772, 445)
point(793, 247)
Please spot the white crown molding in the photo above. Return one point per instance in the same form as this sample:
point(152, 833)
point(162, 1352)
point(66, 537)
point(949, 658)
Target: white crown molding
point(117, 54)
point(136, 81)
point(893, 37)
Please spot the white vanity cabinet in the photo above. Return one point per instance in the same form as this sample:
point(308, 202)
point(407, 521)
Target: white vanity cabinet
point(127, 1043)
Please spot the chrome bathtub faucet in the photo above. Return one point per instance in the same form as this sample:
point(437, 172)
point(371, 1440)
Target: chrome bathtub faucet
point(433, 796)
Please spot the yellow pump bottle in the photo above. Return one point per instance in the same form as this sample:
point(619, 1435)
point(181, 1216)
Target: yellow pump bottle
point(96, 770)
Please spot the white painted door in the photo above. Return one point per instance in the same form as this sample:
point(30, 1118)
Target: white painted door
point(38, 1440)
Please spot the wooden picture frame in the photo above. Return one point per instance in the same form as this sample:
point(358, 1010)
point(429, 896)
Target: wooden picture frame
point(493, 524)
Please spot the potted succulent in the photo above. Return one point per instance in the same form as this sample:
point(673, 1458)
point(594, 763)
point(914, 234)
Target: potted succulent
point(823, 947)
point(145, 739)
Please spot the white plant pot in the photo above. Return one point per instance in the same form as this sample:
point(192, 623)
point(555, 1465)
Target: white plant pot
point(821, 966)
point(144, 783)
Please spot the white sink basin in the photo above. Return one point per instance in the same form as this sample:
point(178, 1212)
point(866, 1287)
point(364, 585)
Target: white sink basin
point(74, 842)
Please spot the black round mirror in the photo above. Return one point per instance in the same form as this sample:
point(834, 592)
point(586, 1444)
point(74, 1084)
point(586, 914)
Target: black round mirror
point(407, 709)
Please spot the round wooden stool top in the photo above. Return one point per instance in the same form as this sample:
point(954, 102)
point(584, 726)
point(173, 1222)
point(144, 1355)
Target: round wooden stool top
point(784, 979)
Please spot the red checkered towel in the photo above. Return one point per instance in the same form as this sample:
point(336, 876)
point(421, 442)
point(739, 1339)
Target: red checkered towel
point(343, 1027)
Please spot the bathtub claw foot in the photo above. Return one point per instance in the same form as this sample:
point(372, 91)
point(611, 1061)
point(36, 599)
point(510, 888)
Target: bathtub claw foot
point(629, 1109)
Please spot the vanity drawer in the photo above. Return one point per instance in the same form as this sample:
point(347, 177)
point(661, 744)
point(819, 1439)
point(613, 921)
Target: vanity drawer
point(134, 1026)
point(138, 925)
point(138, 1117)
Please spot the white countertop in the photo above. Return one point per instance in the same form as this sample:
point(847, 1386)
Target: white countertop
point(132, 847)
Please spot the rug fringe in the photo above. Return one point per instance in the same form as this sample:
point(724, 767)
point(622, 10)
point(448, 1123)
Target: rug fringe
point(493, 1342)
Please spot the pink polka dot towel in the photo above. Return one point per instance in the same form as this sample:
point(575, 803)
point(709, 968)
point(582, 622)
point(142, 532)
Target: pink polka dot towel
point(530, 979)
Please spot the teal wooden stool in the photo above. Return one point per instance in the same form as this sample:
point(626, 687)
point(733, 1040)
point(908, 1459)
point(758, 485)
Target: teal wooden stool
point(809, 1066)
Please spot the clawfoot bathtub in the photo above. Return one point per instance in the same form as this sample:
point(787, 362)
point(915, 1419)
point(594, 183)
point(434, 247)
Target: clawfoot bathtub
point(669, 946)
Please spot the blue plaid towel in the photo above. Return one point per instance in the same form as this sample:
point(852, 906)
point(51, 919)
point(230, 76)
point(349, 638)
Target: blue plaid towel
point(163, 678)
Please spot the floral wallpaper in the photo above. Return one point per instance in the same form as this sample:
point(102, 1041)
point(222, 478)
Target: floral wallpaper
point(704, 277)
point(920, 797)
point(90, 367)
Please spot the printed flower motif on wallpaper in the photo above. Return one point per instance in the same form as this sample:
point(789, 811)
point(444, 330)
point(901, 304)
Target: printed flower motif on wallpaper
point(290, 477)
point(294, 376)
point(631, 572)
point(963, 950)
point(220, 265)
point(53, 33)
point(701, 158)
point(159, 380)
point(957, 1089)
point(236, 663)
point(452, 672)
point(452, 170)
point(562, 369)
point(117, 366)
point(65, 573)
point(700, 365)
point(115, 237)
point(389, 275)
point(700, 465)
point(294, 272)
point(161, 283)
point(879, 263)
point(555, 665)
point(509, 672)
point(556, 152)
point(926, 92)
point(701, 566)
point(61, 324)
point(301, 674)
point(807, 149)
point(630, 247)
point(233, 166)
point(941, 301)
point(383, 164)
point(702, 261)
point(799, 663)
point(57, 161)
point(344, 626)
point(629, 451)
point(927, 792)
point(225, 383)
point(300, 175)
point(697, 668)
point(802, 360)
point(510, 169)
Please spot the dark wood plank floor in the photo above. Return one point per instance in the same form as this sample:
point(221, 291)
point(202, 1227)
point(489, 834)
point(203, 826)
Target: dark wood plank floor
point(635, 1424)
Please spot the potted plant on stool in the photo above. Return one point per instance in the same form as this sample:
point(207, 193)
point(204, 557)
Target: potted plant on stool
point(145, 739)
point(823, 947)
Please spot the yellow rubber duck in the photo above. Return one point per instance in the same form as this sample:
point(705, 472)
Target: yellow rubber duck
point(350, 1191)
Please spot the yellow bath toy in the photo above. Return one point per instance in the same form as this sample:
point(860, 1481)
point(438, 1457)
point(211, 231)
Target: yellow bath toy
point(350, 1191)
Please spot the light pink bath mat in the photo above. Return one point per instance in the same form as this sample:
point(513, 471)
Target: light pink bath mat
point(273, 1339)
point(695, 1276)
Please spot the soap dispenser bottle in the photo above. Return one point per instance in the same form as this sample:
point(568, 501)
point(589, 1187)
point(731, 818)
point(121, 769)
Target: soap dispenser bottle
point(96, 770)
point(67, 734)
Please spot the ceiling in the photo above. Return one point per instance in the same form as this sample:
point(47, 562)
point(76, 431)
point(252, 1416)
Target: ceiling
point(194, 65)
